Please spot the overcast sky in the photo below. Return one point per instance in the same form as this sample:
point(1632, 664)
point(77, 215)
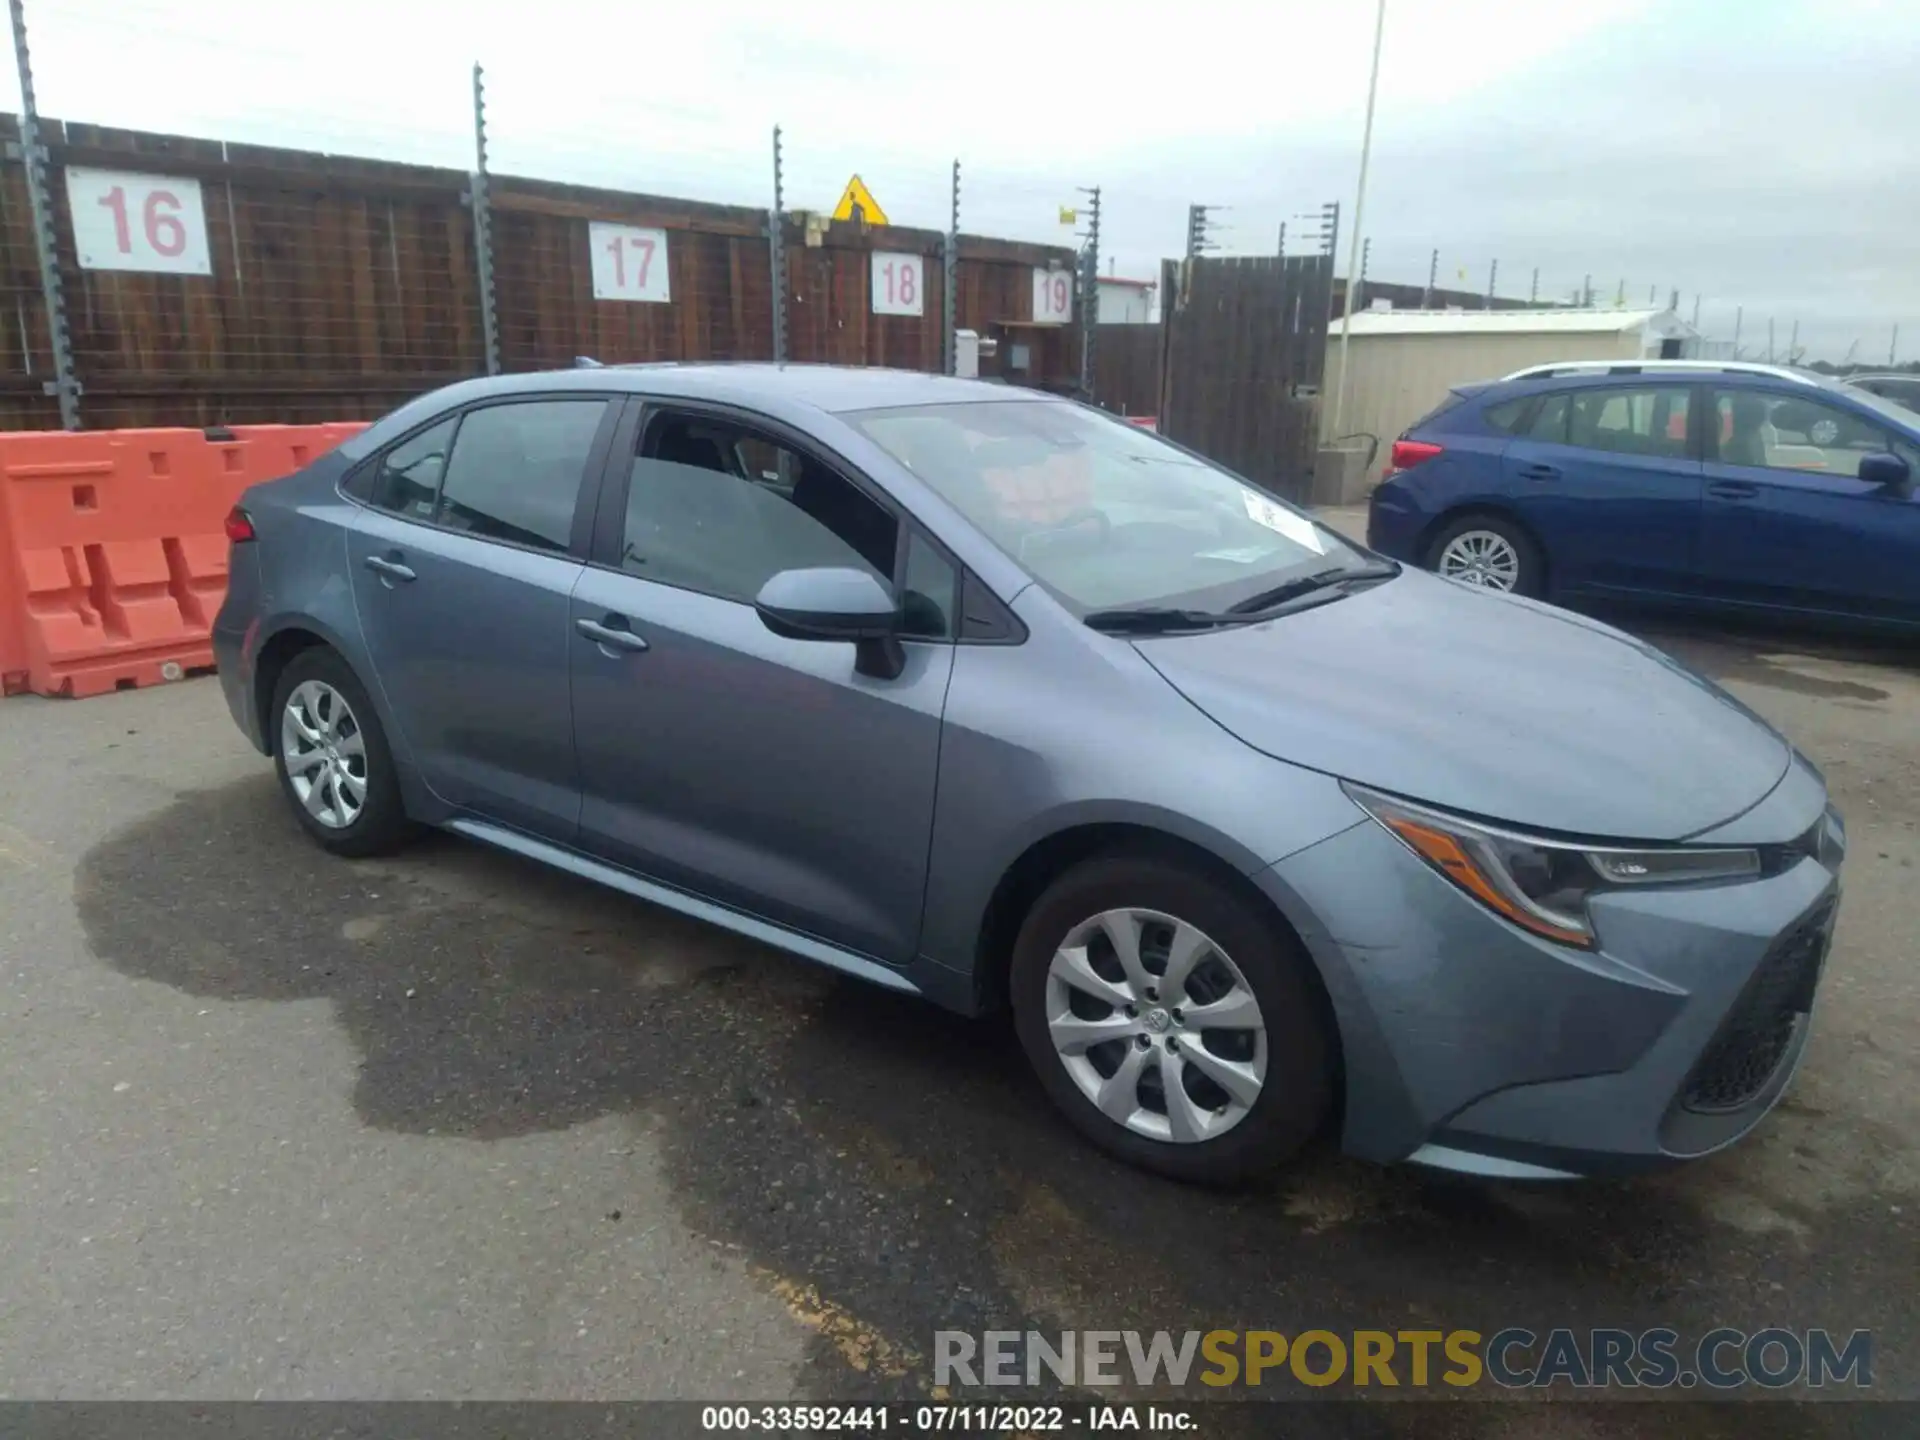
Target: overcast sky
point(1759, 153)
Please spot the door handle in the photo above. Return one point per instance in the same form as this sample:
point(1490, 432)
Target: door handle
point(389, 569)
point(614, 637)
point(1733, 489)
point(1539, 472)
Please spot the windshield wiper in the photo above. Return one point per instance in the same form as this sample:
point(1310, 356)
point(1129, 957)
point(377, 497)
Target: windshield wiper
point(1156, 619)
point(1307, 584)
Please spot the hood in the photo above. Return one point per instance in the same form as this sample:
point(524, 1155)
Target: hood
point(1486, 704)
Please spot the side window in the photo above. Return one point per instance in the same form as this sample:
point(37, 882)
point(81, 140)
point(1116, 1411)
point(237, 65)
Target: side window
point(516, 470)
point(711, 507)
point(1649, 421)
point(928, 590)
point(1783, 432)
point(1505, 417)
point(406, 480)
point(1549, 422)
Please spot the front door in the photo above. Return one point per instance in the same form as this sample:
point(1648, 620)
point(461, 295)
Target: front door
point(463, 570)
point(764, 773)
point(1606, 475)
point(1788, 521)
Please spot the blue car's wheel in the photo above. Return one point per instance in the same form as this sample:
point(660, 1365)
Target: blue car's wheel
point(1489, 552)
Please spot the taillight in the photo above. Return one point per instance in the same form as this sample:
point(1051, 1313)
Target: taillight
point(1409, 453)
point(239, 526)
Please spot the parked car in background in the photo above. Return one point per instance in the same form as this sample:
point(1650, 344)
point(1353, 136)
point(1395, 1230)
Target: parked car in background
point(1903, 388)
point(991, 698)
point(1736, 487)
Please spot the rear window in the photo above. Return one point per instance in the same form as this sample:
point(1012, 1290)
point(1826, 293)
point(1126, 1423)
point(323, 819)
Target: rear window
point(1455, 398)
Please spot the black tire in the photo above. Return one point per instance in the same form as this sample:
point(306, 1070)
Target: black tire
point(382, 824)
point(1297, 1090)
point(1532, 578)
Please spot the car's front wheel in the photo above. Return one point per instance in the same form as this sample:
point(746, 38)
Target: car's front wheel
point(1490, 552)
point(1172, 1021)
point(332, 757)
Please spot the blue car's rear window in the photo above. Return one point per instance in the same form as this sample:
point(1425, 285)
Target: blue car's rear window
point(1454, 399)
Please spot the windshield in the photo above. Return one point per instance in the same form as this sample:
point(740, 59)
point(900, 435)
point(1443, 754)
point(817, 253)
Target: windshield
point(1102, 513)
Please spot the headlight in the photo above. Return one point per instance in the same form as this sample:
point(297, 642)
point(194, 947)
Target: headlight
point(1542, 885)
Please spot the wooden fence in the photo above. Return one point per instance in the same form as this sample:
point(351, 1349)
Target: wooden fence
point(341, 287)
point(1126, 367)
point(1245, 347)
point(1418, 297)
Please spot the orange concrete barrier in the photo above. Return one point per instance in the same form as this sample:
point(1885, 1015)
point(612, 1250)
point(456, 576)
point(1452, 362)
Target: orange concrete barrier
point(113, 556)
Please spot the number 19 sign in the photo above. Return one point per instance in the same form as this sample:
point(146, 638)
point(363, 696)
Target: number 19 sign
point(629, 263)
point(1052, 296)
point(123, 221)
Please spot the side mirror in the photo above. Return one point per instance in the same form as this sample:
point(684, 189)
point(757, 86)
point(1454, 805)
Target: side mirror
point(1889, 472)
point(834, 603)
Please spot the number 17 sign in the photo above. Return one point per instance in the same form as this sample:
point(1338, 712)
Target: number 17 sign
point(629, 263)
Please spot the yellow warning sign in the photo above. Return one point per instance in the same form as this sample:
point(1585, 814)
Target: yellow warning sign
point(857, 194)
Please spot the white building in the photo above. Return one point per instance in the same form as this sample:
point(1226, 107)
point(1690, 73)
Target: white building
point(1125, 302)
point(1400, 363)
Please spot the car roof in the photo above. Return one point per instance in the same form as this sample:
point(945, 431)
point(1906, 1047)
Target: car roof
point(1594, 374)
point(827, 389)
point(1567, 369)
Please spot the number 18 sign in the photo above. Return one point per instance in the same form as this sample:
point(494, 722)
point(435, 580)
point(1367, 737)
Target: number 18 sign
point(123, 221)
point(899, 284)
point(629, 263)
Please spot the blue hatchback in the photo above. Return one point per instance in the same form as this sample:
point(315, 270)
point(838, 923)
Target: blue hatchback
point(1730, 487)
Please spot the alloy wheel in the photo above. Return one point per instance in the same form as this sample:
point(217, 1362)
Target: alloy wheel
point(325, 753)
point(1481, 557)
point(1156, 1025)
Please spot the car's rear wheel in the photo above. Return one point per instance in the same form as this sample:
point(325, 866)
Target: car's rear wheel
point(1489, 552)
point(333, 760)
point(1172, 1021)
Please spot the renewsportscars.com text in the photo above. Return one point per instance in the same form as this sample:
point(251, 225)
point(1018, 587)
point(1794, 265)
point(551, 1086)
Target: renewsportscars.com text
point(1514, 1358)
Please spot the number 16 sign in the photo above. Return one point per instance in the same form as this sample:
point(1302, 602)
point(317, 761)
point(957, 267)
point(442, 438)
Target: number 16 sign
point(629, 263)
point(123, 221)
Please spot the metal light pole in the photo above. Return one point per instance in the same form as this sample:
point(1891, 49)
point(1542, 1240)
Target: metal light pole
point(1359, 206)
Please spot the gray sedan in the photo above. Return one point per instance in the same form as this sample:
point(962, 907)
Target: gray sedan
point(982, 696)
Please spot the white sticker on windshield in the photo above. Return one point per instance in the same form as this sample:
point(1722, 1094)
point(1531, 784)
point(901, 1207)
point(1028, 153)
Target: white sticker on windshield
point(1244, 555)
point(1282, 520)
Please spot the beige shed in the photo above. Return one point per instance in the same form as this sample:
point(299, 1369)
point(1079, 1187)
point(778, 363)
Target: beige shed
point(1401, 363)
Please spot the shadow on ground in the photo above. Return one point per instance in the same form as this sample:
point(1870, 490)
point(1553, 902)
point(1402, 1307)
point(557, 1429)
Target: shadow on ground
point(902, 1164)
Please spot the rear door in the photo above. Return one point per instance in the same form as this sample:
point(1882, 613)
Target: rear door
point(1789, 523)
point(463, 570)
point(1607, 477)
point(766, 773)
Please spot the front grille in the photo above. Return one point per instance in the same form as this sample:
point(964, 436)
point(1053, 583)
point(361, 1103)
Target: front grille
point(1756, 1033)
